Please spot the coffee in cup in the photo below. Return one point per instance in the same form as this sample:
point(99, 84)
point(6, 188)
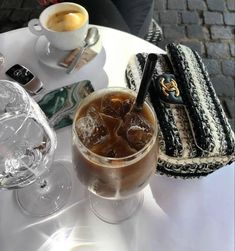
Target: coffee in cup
point(66, 20)
point(64, 24)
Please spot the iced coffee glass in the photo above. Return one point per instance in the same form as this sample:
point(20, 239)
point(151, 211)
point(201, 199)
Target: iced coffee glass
point(115, 151)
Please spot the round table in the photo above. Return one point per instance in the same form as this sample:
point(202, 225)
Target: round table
point(184, 215)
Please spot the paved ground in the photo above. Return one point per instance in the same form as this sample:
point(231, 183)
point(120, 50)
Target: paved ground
point(208, 27)
point(16, 13)
point(205, 25)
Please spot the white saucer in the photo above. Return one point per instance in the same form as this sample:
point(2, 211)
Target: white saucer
point(51, 56)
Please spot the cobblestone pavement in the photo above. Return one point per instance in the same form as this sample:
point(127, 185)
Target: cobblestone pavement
point(208, 27)
point(205, 25)
point(16, 13)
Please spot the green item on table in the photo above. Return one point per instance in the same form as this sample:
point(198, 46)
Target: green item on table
point(59, 105)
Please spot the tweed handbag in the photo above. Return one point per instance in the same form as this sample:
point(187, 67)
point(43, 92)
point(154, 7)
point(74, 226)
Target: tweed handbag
point(195, 136)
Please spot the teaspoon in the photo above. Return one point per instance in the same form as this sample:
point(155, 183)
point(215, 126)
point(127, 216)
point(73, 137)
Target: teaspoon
point(91, 38)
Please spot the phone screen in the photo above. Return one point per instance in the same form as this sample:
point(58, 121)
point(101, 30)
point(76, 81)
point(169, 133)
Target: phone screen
point(20, 74)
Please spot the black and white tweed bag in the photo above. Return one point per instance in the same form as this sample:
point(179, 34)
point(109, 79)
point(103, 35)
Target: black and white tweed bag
point(195, 136)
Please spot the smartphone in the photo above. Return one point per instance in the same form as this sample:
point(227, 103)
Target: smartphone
point(25, 78)
point(60, 104)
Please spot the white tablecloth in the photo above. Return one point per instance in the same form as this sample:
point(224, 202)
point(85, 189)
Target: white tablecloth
point(178, 215)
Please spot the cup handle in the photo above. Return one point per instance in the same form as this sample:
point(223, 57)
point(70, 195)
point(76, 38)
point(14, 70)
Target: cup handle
point(35, 22)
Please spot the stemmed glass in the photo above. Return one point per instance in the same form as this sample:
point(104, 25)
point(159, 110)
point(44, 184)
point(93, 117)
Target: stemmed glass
point(27, 146)
point(115, 147)
point(115, 176)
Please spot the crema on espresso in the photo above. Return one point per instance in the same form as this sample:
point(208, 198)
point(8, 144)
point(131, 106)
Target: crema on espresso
point(68, 20)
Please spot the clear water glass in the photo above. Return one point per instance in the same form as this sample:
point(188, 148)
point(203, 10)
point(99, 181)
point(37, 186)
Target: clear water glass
point(27, 146)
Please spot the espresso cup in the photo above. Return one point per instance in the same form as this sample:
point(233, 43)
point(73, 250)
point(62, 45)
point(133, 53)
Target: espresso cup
point(73, 30)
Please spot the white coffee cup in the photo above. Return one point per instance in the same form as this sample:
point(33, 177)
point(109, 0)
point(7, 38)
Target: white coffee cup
point(63, 40)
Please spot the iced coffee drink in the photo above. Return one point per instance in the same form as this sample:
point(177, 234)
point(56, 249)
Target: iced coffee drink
point(114, 147)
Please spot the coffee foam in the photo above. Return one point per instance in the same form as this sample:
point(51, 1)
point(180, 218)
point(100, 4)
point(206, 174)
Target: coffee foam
point(66, 20)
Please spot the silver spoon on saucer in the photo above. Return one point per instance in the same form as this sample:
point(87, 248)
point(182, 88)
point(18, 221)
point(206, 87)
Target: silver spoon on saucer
point(91, 38)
